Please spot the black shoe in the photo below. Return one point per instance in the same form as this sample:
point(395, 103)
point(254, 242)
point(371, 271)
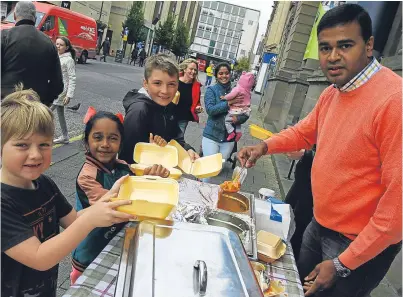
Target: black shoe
point(75, 107)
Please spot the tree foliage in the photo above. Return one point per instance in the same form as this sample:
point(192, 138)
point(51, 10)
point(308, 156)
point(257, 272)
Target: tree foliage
point(242, 65)
point(135, 23)
point(180, 45)
point(164, 34)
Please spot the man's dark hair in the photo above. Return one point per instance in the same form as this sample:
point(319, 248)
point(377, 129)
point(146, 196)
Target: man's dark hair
point(344, 14)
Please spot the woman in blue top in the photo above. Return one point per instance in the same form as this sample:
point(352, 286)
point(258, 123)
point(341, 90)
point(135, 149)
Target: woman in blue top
point(215, 134)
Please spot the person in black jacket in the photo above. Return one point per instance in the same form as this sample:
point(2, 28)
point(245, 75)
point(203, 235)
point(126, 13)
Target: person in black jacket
point(106, 46)
point(150, 111)
point(300, 196)
point(28, 56)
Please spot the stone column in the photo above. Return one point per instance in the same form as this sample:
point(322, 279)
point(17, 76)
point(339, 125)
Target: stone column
point(277, 92)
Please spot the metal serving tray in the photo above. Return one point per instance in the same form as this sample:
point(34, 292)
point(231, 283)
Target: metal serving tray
point(174, 259)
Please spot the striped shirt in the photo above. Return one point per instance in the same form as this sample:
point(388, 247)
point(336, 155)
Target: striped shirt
point(362, 77)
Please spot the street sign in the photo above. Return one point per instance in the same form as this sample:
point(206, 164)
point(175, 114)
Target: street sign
point(66, 4)
point(119, 56)
point(125, 38)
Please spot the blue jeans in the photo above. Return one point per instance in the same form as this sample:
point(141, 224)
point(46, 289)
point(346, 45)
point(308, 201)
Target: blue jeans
point(208, 80)
point(320, 244)
point(211, 147)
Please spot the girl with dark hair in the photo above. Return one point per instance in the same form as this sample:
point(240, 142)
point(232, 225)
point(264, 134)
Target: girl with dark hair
point(67, 56)
point(103, 138)
point(215, 134)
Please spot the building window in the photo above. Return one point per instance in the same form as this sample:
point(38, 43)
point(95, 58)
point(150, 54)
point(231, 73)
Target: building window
point(243, 52)
point(240, 20)
point(215, 29)
point(199, 33)
point(231, 56)
point(217, 52)
point(242, 12)
point(221, 6)
point(207, 35)
point(226, 47)
point(228, 8)
point(237, 35)
point(217, 22)
point(238, 27)
point(203, 18)
point(224, 24)
point(225, 16)
point(235, 41)
point(229, 33)
point(201, 27)
point(222, 31)
point(206, 4)
point(210, 20)
point(212, 43)
point(231, 25)
point(211, 50)
point(227, 40)
point(233, 48)
point(214, 5)
point(224, 54)
point(204, 12)
point(219, 45)
point(214, 36)
point(235, 10)
point(205, 42)
point(233, 18)
point(250, 23)
point(204, 49)
point(197, 40)
point(221, 38)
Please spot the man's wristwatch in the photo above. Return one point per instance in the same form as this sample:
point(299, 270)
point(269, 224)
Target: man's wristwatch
point(341, 270)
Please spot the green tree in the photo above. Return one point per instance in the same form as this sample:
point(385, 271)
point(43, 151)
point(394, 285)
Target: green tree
point(242, 65)
point(164, 34)
point(135, 23)
point(180, 45)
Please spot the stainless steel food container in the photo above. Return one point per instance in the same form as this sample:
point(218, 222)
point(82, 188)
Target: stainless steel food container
point(173, 259)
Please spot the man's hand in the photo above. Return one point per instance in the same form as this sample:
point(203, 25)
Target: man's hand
point(323, 276)
point(199, 109)
point(193, 155)
point(158, 140)
point(248, 156)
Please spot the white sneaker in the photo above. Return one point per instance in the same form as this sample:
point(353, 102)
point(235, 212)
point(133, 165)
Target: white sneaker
point(61, 140)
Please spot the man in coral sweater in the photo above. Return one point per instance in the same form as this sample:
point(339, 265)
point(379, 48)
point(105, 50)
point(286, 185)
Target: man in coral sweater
point(356, 231)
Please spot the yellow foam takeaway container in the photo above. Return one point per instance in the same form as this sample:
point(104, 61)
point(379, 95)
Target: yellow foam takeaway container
point(259, 132)
point(201, 168)
point(138, 170)
point(150, 153)
point(152, 196)
point(270, 247)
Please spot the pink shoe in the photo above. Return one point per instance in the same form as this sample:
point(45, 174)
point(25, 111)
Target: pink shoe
point(231, 136)
point(238, 136)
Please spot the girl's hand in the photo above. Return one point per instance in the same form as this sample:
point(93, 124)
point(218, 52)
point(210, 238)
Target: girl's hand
point(103, 213)
point(199, 109)
point(193, 155)
point(234, 119)
point(158, 140)
point(157, 170)
point(66, 101)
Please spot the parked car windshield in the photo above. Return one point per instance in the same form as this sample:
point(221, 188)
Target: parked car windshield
point(39, 16)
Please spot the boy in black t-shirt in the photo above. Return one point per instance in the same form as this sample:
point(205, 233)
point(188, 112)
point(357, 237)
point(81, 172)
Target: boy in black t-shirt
point(32, 206)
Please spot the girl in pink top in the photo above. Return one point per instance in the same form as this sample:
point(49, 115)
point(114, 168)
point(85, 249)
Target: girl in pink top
point(243, 88)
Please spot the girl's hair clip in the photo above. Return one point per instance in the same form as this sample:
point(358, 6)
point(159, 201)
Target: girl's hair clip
point(91, 112)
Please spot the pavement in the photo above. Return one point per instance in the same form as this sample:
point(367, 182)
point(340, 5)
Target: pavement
point(103, 86)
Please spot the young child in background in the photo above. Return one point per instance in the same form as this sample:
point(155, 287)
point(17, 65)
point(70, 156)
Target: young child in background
point(32, 206)
point(103, 137)
point(67, 55)
point(244, 88)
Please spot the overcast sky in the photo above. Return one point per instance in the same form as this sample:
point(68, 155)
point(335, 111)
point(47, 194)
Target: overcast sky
point(265, 7)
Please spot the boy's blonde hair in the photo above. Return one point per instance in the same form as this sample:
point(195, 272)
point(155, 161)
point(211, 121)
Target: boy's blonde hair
point(23, 114)
point(161, 62)
point(185, 64)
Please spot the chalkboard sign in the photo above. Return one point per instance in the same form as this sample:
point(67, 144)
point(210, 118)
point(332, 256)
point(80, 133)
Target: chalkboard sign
point(119, 56)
